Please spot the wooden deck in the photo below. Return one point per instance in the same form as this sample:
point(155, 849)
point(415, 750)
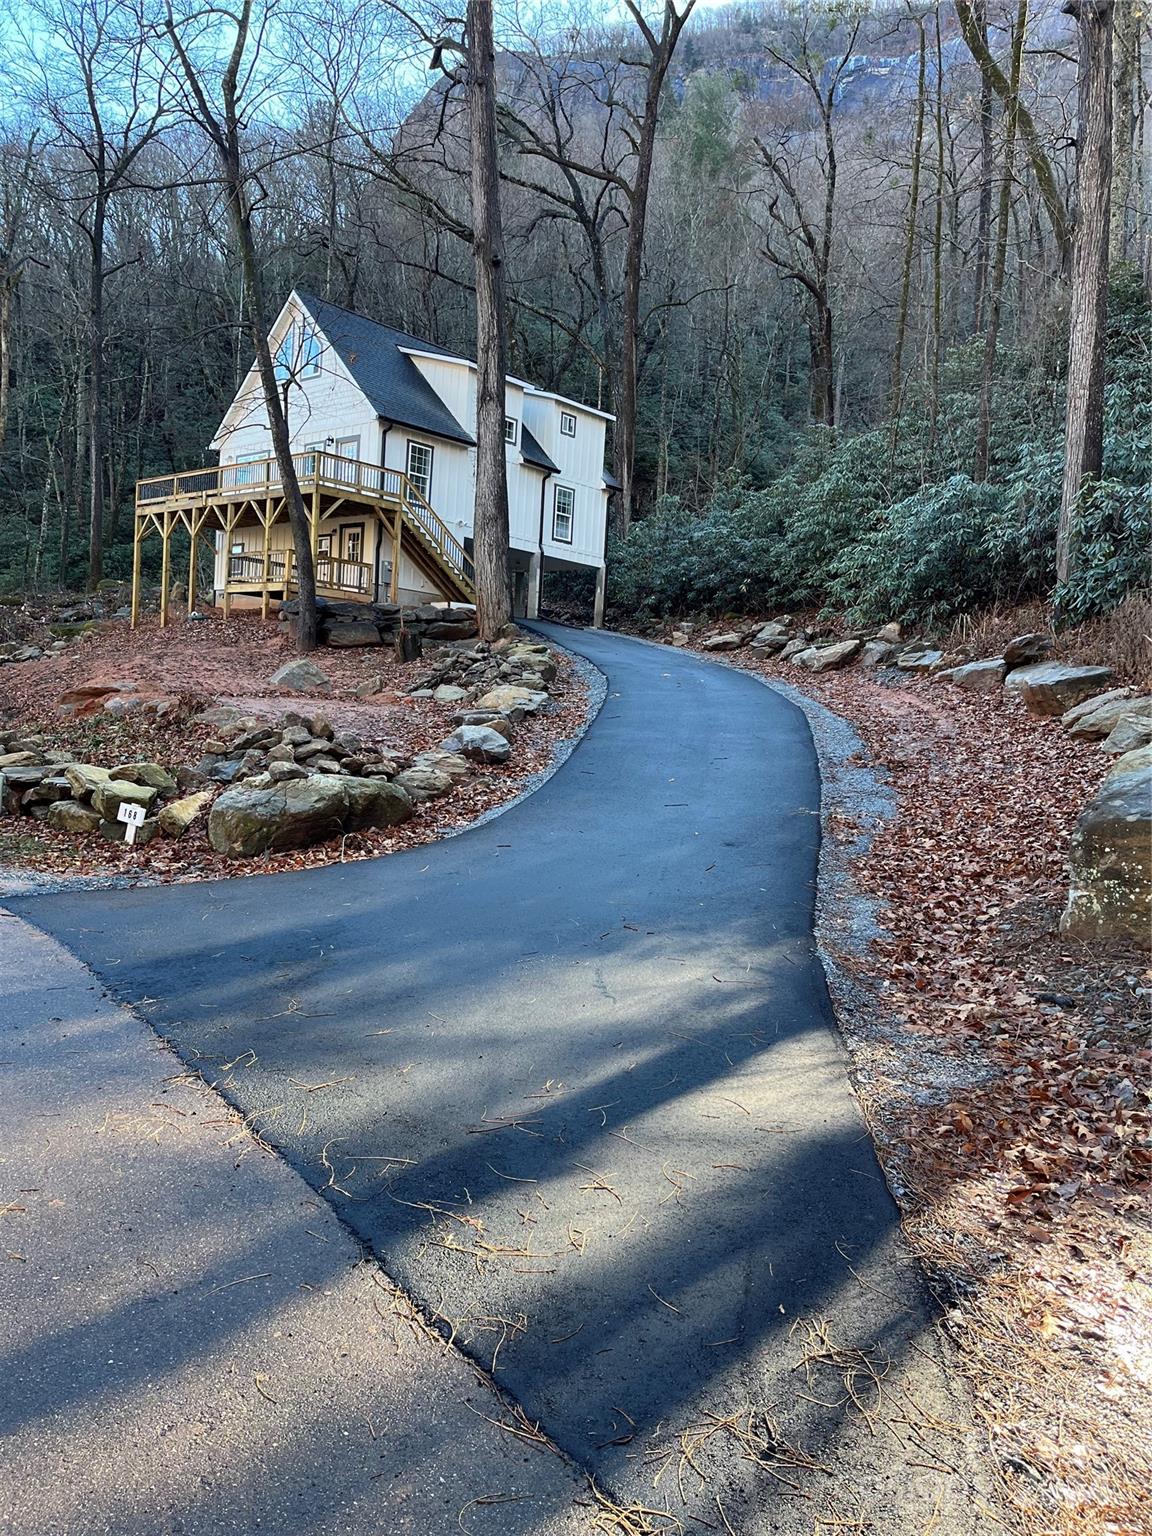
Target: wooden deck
point(227, 497)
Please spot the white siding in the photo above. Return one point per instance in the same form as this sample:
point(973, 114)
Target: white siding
point(331, 406)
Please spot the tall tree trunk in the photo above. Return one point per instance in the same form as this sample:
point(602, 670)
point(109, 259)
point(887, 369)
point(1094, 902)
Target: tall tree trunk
point(897, 391)
point(823, 365)
point(96, 400)
point(982, 450)
point(937, 254)
point(1084, 414)
point(987, 162)
point(1126, 45)
point(490, 525)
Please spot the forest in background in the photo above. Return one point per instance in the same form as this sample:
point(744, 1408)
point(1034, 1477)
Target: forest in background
point(818, 260)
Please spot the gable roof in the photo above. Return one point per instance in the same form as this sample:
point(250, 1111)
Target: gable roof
point(531, 451)
point(391, 381)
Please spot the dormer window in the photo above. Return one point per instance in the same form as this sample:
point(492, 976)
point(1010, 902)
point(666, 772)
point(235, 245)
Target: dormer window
point(511, 429)
point(567, 424)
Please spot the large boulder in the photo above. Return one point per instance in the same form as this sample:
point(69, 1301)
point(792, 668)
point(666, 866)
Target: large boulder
point(145, 773)
point(1025, 650)
point(890, 634)
point(772, 636)
point(374, 803)
point(178, 816)
point(85, 779)
point(352, 633)
point(876, 653)
point(301, 676)
point(423, 783)
point(1139, 760)
point(976, 676)
point(1110, 864)
point(827, 658)
point(480, 743)
point(1096, 716)
point(1051, 687)
point(919, 660)
point(728, 642)
point(513, 701)
point(1131, 732)
point(795, 647)
point(107, 798)
point(71, 816)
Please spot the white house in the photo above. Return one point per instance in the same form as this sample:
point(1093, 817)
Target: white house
point(369, 399)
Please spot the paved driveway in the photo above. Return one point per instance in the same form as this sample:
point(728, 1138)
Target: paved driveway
point(574, 1079)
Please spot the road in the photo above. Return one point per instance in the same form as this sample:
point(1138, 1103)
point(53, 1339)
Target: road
point(574, 1079)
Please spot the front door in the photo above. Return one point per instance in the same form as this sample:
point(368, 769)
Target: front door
point(348, 448)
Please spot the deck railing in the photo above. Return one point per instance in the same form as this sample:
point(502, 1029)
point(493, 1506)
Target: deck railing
point(332, 573)
point(315, 469)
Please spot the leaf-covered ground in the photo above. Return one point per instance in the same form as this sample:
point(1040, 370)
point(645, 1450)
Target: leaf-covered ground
point(1005, 1072)
point(229, 661)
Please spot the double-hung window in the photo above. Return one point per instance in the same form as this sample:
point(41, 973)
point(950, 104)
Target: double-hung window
point(563, 514)
point(420, 468)
point(510, 426)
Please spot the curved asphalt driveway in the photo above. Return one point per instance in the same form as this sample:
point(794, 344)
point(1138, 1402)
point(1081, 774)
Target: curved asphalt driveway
point(573, 1076)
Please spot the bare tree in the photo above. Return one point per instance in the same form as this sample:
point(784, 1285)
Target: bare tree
point(1084, 411)
point(222, 125)
point(490, 522)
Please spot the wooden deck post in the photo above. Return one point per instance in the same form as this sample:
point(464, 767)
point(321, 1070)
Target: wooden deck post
point(225, 595)
point(137, 539)
point(194, 525)
point(267, 552)
point(165, 567)
point(394, 583)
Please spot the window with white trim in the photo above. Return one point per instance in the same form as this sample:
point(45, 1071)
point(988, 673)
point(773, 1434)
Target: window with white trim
point(510, 429)
point(309, 353)
point(567, 424)
point(563, 513)
point(419, 464)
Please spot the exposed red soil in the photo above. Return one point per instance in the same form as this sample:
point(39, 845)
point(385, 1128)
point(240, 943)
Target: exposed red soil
point(230, 661)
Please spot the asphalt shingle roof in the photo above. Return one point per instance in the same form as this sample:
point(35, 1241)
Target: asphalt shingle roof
point(532, 452)
point(394, 386)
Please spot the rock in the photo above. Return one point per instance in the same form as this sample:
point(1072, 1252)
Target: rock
point(178, 816)
point(1137, 761)
point(447, 694)
point(513, 701)
point(1051, 687)
point(352, 634)
point(450, 763)
point(678, 638)
point(38, 784)
point(919, 660)
point(19, 760)
point(1130, 733)
point(283, 753)
point(117, 831)
point(1089, 706)
point(827, 658)
point(1101, 722)
point(463, 628)
point(281, 771)
point(1110, 864)
point(322, 727)
point(370, 686)
point(794, 648)
point(146, 773)
point(479, 742)
point(773, 635)
point(108, 797)
point(1026, 650)
point(221, 715)
point(876, 653)
point(71, 816)
point(324, 764)
point(423, 783)
point(729, 642)
point(302, 676)
point(85, 779)
point(375, 803)
point(246, 822)
point(889, 634)
point(977, 676)
point(313, 746)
